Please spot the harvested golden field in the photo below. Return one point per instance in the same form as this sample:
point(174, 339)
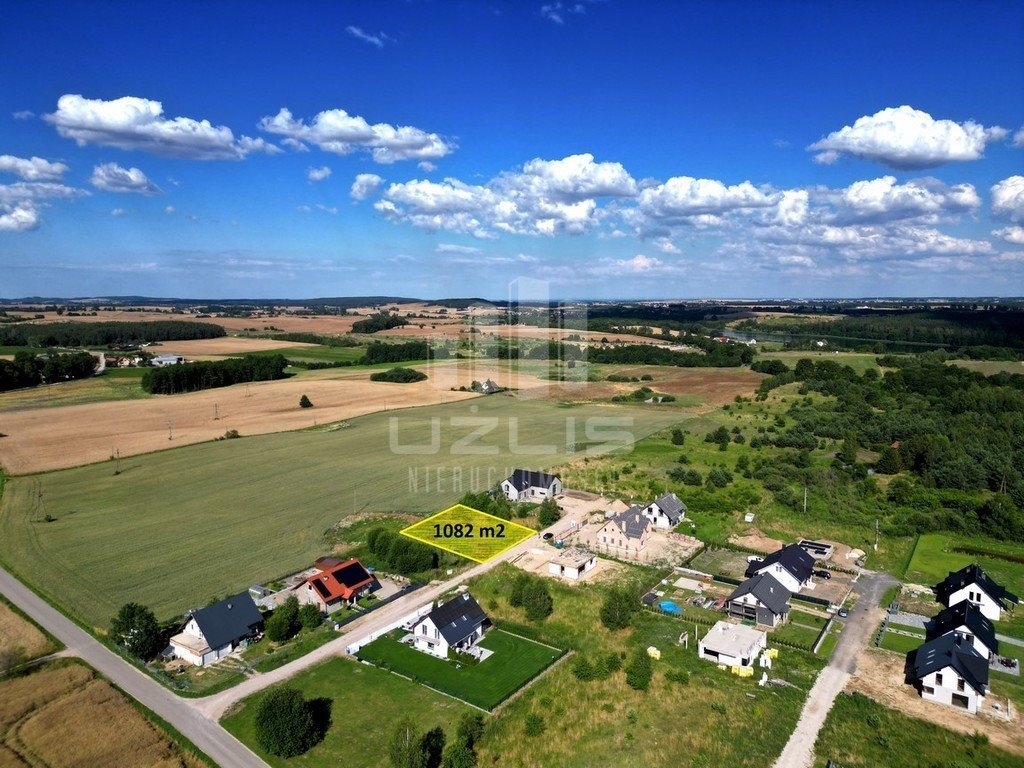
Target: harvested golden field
point(65, 716)
point(19, 634)
point(41, 439)
point(227, 345)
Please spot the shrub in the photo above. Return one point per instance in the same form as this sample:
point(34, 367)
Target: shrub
point(535, 725)
point(548, 513)
point(309, 616)
point(284, 622)
point(583, 670)
point(537, 600)
point(470, 729)
point(618, 608)
point(458, 756)
point(287, 725)
point(305, 402)
point(639, 671)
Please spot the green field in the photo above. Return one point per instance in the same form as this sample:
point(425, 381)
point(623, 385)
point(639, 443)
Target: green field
point(934, 558)
point(515, 662)
point(319, 353)
point(116, 384)
point(365, 704)
point(859, 361)
point(990, 367)
point(860, 732)
point(178, 527)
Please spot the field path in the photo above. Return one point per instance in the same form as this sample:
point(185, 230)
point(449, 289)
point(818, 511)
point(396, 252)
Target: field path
point(799, 750)
point(223, 748)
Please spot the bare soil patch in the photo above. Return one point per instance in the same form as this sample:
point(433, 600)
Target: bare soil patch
point(754, 538)
point(880, 675)
point(16, 633)
point(43, 439)
point(66, 717)
point(227, 345)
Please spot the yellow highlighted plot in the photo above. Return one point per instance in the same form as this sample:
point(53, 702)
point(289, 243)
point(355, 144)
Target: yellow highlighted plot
point(469, 533)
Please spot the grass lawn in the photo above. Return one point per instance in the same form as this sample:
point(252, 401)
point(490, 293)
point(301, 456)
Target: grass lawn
point(320, 353)
point(934, 557)
point(366, 704)
point(791, 633)
point(990, 367)
point(797, 616)
point(860, 732)
point(829, 643)
point(515, 662)
point(892, 641)
point(180, 526)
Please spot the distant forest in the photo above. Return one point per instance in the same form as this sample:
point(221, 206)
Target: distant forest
point(74, 334)
point(952, 328)
point(192, 377)
point(30, 370)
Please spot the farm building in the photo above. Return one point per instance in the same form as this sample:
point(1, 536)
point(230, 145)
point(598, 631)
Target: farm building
point(761, 599)
point(211, 633)
point(163, 361)
point(665, 511)
point(791, 566)
point(948, 670)
point(458, 624)
point(627, 530)
point(527, 485)
point(336, 583)
point(967, 621)
point(973, 585)
point(572, 563)
point(732, 644)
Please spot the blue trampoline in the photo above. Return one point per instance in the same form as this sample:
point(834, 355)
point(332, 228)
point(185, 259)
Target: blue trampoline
point(669, 607)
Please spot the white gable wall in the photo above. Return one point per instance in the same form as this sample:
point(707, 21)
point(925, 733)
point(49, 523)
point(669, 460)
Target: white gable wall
point(974, 594)
point(947, 687)
point(784, 577)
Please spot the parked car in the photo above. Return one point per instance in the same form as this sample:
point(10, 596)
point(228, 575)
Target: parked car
point(823, 575)
point(843, 613)
point(548, 536)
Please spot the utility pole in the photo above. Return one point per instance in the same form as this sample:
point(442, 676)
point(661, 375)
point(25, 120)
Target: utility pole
point(216, 414)
point(170, 430)
point(805, 501)
point(876, 534)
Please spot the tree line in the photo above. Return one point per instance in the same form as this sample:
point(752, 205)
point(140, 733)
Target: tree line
point(29, 370)
point(379, 321)
point(105, 334)
point(718, 355)
point(192, 377)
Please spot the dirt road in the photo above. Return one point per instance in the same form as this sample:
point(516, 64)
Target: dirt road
point(799, 750)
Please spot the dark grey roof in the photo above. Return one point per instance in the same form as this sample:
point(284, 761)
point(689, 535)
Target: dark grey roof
point(228, 621)
point(458, 618)
point(632, 522)
point(964, 614)
point(767, 589)
point(792, 557)
point(973, 574)
point(956, 652)
point(522, 479)
point(673, 508)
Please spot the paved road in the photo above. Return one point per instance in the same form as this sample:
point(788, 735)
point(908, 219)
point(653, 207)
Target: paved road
point(218, 744)
point(799, 750)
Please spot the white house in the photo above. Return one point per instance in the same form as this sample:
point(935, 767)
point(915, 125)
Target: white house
point(732, 644)
point(973, 585)
point(165, 360)
point(458, 624)
point(791, 566)
point(572, 563)
point(949, 671)
point(211, 633)
point(966, 620)
point(665, 511)
point(527, 485)
point(761, 599)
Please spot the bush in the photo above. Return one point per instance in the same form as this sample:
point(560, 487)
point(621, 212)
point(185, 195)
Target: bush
point(677, 437)
point(583, 670)
point(537, 600)
point(535, 725)
point(470, 729)
point(639, 671)
point(287, 725)
point(548, 513)
point(310, 617)
point(618, 608)
point(458, 756)
point(399, 375)
point(305, 402)
point(284, 622)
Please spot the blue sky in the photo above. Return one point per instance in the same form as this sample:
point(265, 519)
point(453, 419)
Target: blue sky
point(613, 149)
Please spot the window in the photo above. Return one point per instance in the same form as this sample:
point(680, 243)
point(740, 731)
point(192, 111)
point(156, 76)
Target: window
point(959, 684)
point(938, 678)
point(928, 689)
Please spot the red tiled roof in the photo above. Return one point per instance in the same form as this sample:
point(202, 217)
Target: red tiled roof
point(339, 579)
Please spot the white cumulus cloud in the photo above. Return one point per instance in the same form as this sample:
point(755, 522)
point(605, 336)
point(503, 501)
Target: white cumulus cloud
point(1008, 198)
point(111, 177)
point(364, 185)
point(131, 122)
point(907, 139)
point(33, 168)
point(1013, 235)
point(336, 131)
point(318, 174)
point(683, 198)
point(21, 217)
point(884, 199)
